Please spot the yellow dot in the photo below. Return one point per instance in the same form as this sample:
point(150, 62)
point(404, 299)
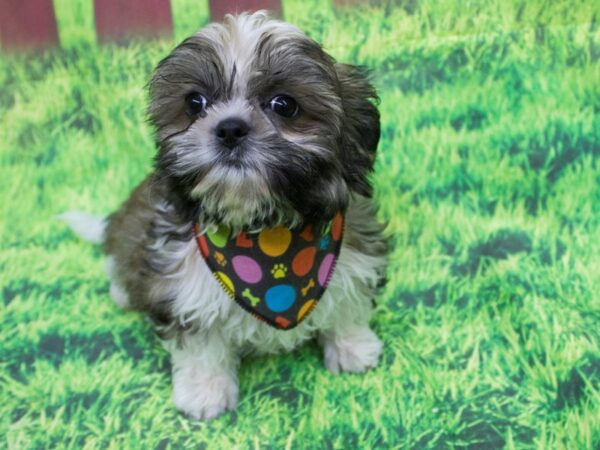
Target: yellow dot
point(306, 309)
point(226, 282)
point(274, 241)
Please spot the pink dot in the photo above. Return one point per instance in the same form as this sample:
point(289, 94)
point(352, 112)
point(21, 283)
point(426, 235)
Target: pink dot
point(247, 269)
point(326, 268)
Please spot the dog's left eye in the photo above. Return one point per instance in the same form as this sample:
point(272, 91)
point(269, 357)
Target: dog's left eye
point(284, 105)
point(196, 104)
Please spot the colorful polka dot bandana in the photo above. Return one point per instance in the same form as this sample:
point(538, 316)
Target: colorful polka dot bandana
point(277, 275)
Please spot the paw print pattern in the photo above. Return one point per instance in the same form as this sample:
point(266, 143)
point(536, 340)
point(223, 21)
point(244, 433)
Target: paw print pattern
point(279, 271)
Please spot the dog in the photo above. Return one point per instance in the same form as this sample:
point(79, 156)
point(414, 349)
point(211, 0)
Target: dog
point(260, 198)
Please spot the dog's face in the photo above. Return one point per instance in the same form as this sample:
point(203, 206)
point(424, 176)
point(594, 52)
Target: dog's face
point(258, 125)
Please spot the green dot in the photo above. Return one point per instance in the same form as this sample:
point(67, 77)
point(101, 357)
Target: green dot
point(219, 238)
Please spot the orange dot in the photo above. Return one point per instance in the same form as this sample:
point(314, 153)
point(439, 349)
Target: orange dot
point(243, 241)
point(337, 226)
point(307, 233)
point(304, 261)
point(203, 246)
point(306, 308)
point(282, 322)
point(274, 241)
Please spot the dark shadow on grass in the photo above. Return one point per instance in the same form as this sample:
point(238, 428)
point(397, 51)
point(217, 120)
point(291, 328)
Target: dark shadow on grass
point(55, 347)
point(420, 69)
point(553, 149)
point(571, 390)
point(55, 290)
point(500, 245)
point(432, 296)
point(458, 182)
point(472, 119)
point(482, 426)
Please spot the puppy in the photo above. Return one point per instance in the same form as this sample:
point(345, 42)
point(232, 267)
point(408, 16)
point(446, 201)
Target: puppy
point(256, 231)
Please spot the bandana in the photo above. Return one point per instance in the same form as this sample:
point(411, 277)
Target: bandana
point(279, 274)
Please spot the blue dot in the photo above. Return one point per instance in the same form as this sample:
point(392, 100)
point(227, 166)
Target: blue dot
point(280, 297)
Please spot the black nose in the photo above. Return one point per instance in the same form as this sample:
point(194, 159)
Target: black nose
point(231, 131)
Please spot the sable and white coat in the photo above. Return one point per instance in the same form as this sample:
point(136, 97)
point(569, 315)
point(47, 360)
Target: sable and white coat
point(284, 170)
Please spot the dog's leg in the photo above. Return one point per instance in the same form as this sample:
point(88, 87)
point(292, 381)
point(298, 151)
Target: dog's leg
point(349, 344)
point(353, 349)
point(205, 381)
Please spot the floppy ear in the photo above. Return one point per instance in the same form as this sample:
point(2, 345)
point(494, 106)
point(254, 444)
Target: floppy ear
point(360, 130)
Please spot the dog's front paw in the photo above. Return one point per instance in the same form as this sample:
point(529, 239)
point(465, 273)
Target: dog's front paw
point(354, 351)
point(204, 396)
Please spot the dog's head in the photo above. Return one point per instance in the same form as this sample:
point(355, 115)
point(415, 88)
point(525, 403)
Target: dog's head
point(258, 125)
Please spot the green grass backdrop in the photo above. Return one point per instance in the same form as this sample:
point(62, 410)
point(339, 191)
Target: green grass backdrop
point(488, 174)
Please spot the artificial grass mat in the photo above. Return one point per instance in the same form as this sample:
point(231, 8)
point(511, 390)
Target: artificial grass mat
point(487, 174)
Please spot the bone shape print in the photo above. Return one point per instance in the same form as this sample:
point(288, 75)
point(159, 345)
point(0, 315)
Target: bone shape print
point(253, 299)
point(308, 287)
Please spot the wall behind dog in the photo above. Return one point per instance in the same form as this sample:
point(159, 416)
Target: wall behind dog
point(487, 174)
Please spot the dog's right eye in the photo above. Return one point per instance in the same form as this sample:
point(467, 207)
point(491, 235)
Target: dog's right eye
point(196, 104)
